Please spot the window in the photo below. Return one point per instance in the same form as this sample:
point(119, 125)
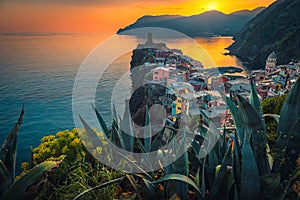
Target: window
point(155, 72)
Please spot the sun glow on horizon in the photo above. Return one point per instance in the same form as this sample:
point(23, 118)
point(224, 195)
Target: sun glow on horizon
point(50, 16)
point(212, 6)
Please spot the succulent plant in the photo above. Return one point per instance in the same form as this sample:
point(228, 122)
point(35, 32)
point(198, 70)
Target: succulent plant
point(27, 186)
point(236, 168)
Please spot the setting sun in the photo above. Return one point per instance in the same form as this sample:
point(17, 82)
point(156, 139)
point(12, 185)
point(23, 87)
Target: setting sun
point(212, 6)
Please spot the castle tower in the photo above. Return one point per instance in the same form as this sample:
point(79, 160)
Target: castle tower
point(149, 39)
point(271, 62)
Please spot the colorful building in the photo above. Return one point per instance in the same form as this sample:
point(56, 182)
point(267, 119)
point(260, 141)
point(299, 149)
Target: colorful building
point(160, 73)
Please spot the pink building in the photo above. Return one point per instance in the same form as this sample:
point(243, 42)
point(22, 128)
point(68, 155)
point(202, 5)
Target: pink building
point(160, 73)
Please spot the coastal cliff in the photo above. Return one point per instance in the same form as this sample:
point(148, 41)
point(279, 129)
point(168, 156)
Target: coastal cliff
point(277, 28)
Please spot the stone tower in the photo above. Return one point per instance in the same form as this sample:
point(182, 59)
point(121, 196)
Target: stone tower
point(271, 62)
point(149, 39)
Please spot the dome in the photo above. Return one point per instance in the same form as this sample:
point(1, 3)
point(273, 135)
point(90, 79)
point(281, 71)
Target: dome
point(272, 55)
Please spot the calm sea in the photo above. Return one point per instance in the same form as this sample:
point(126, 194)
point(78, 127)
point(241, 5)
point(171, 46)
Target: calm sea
point(39, 71)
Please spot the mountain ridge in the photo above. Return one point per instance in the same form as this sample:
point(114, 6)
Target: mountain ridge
point(205, 24)
point(276, 28)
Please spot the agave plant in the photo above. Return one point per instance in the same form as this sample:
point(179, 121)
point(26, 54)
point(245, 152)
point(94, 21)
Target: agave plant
point(254, 177)
point(239, 168)
point(25, 187)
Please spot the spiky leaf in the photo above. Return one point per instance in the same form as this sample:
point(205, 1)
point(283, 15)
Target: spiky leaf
point(182, 178)
point(215, 190)
point(8, 151)
point(92, 140)
point(255, 127)
point(27, 186)
point(127, 129)
point(147, 131)
point(157, 140)
point(236, 166)
point(4, 178)
point(287, 147)
point(181, 166)
point(254, 99)
point(236, 115)
point(99, 187)
point(250, 180)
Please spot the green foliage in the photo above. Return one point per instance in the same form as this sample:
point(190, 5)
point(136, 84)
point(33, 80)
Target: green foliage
point(78, 172)
point(273, 105)
point(63, 144)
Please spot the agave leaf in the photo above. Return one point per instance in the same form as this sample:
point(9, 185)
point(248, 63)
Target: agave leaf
point(117, 137)
point(148, 190)
point(181, 166)
point(115, 115)
point(212, 162)
point(145, 155)
point(270, 187)
point(224, 145)
point(27, 186)
point(203, 186)
point(256, 128)
point(236, 167)
point(289, 154)
point(157, 140)
point(93, 139)
point(254, 100)
point(290, 111)
point(4, 178)
point(127, 129)
point(197, 142)
point(236, 115)
point(100, 186)
point(212, 159)
point(214, 192)
point(147, 131)
point(197, 177)
point(250, 180)
point(288, 132)
point(133, 163)
point(274, 116)
point(8, 151)
point(102, 123)
point(227, 182)
point(134, 185)
point(196, 148)
point(182, 178)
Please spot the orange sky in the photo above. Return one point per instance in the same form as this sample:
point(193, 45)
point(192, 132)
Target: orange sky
point(101, 15)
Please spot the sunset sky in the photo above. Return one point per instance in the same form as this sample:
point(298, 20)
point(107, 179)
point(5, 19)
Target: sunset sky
point(102, 16)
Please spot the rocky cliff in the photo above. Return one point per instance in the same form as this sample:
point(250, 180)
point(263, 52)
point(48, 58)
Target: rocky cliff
point(277, 28)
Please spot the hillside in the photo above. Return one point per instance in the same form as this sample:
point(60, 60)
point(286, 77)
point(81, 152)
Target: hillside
point(277, 28)
point(205, 24)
